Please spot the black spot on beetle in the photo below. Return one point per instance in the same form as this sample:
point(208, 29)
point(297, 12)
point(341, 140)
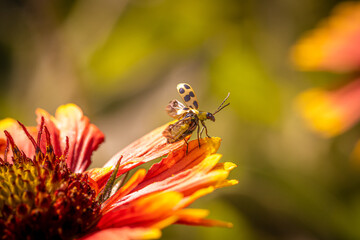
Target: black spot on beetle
point(186, 108)
point(181, 90)
point(186, 86)
point(195, 104)
point(191, 94)
point(187, 98)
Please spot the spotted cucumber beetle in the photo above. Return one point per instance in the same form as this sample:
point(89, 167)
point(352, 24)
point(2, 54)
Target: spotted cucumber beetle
point(188, 116)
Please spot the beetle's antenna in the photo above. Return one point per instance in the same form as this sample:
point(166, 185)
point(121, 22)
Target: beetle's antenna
point(221, 105)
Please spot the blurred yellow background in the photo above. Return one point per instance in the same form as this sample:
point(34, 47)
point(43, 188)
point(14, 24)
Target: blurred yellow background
point(120, 61)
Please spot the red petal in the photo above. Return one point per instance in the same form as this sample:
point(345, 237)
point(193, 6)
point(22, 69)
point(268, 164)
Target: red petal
point(84, 137)
point(19, 136)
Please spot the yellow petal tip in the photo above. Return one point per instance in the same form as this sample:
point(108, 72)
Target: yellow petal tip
point(233, 182)
point(7, 123)
point(228, 166)
point(70, 107)
point(152, 234)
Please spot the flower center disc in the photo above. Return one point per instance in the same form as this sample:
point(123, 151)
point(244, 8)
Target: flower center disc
point(41, 198)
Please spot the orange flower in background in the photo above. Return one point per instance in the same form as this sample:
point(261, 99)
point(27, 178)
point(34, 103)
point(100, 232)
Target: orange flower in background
point(331, 112)
point(45, 192)
point(333, 46)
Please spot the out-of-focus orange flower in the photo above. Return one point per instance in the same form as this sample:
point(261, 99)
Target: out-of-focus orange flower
point(331, 112)
point(334, 45)
point(46, 192)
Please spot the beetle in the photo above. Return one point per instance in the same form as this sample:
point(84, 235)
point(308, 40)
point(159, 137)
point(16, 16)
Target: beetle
point(188, 117)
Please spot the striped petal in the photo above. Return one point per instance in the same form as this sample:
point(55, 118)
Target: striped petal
point(68, 123)
point(84, 137)
point(145, 149)
point(170, 186)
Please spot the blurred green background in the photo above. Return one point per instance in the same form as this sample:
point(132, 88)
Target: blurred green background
point(120, 61)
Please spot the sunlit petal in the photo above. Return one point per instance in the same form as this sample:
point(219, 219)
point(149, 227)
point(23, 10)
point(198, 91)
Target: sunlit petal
point(124, 233)
point(146, 211)
point(145, 149)
point(84, 137)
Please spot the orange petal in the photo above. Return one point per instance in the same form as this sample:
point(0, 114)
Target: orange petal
point(197, 216)
point(191, 171)
point(189, 218)
point(334, 45)
point(145, 211)
point(177, 160)
point(191, 198)
point(124, 233)
point(129, 186)
point(145, 149)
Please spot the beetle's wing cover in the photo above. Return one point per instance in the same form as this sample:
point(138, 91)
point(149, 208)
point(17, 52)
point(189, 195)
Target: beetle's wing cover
point(188, 95)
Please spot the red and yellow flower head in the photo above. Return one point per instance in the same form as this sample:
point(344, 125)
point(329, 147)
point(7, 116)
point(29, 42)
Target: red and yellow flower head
point(46, 192)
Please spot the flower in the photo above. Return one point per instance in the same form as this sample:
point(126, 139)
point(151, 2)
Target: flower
point(331, 112)
point(333, 46)
point(46, 192)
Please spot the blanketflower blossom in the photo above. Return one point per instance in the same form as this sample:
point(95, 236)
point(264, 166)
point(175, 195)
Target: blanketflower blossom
point(46, 191)
point(333, 46)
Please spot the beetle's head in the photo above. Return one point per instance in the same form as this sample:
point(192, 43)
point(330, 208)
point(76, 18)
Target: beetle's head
point(210, 116)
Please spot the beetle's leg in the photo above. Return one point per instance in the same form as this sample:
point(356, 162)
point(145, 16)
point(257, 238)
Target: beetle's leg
point(202, 129)
point(198, 135)
point(202, 122)
point(187, 146)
